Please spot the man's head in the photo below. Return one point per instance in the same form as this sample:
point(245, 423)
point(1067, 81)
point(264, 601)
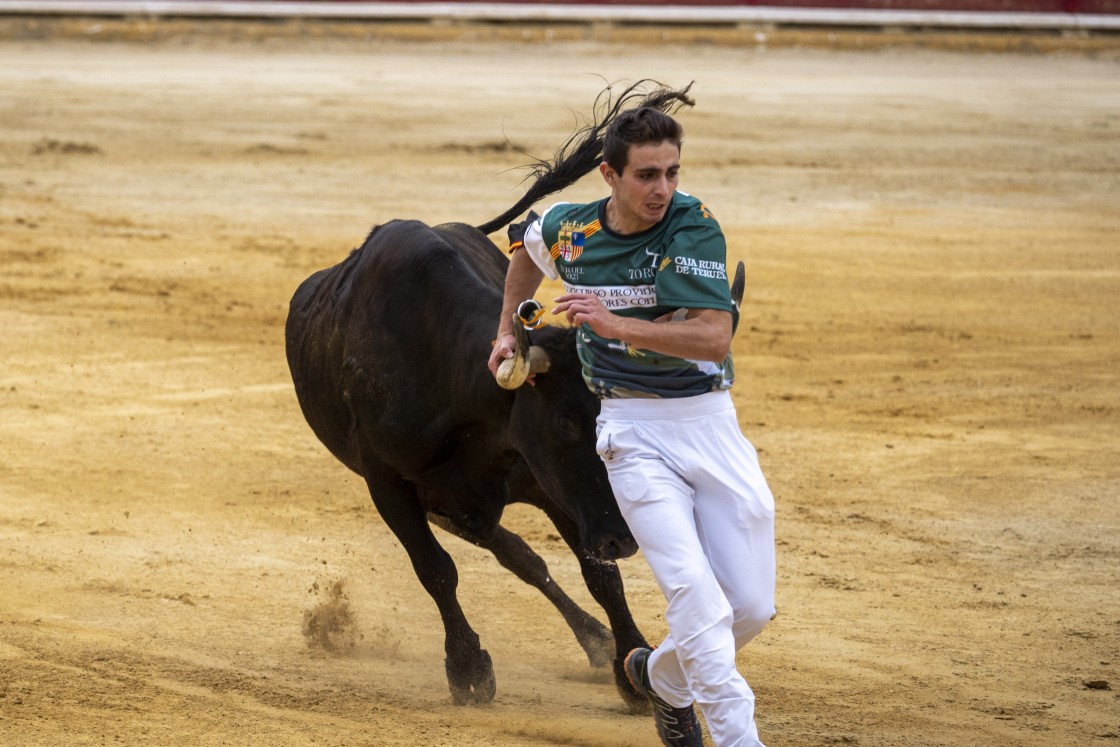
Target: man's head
point(641, 162)
point(640, 126)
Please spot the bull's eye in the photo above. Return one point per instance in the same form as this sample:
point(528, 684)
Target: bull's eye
point(566, 424)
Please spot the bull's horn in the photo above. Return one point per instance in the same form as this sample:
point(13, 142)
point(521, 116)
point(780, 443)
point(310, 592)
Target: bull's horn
point(512, 372)
point(738, 284)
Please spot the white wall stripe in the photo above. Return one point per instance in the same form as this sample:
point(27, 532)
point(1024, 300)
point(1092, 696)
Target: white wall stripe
point(544, 13)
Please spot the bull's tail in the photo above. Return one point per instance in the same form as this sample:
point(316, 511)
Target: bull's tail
point(584, 149)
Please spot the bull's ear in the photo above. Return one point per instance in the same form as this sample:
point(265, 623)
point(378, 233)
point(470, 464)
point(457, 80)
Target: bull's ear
point(512, 372)
point(539, 362)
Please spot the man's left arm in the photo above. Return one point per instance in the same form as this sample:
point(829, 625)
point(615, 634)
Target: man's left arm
point(702, 335)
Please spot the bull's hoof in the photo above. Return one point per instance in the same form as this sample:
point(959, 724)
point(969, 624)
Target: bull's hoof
point(474, 685)
point(598, 643)
point(637, 703)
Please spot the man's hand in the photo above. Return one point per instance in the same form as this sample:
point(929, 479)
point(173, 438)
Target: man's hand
point(504, 347)
point(586, 308)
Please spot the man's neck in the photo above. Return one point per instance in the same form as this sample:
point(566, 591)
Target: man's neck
point(616, 225)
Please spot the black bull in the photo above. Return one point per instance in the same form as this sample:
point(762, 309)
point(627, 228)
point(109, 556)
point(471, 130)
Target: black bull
point(388, 350)
point(388, 355)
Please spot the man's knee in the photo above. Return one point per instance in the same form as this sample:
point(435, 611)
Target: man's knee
point(750, 620)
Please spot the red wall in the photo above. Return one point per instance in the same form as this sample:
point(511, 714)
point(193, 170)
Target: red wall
point(1002, 6)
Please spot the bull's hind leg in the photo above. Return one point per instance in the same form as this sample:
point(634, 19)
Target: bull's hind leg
point(470, 672)
point(518, 558)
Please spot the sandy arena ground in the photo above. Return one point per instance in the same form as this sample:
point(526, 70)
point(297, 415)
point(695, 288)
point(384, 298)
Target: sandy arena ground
point(930, 366)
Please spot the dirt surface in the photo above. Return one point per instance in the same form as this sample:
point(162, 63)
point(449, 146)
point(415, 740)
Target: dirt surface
point(930, 367)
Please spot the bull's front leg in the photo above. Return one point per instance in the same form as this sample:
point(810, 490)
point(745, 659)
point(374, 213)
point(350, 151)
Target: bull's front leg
point(604, 581)
point(516, 556)
point(470, 672)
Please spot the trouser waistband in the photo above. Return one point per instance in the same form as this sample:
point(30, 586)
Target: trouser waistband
point(666, 409)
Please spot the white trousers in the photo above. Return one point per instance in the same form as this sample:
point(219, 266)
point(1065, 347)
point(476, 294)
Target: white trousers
point(689, 485)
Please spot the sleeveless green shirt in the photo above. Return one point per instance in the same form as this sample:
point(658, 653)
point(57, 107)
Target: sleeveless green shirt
point(678, 264)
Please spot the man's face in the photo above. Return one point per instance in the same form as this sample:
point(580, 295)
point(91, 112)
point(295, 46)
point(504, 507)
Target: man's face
point(640, 195)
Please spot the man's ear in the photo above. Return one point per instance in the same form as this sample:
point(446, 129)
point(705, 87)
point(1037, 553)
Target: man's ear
point(610, 176)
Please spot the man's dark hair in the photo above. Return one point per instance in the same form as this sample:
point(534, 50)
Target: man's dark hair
point(638, 127)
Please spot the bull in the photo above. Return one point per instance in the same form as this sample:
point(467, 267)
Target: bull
point(387, 350)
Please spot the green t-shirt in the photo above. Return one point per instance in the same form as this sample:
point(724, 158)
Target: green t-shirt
point(678, 264)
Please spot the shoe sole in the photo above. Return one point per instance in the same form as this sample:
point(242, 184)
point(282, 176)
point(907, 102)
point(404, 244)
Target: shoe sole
point(629, 667)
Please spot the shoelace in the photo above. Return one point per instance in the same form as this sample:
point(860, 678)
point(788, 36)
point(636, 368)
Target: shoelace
point(673, 717)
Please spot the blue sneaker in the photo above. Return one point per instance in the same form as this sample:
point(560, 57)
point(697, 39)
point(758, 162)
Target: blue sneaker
point(677, 727)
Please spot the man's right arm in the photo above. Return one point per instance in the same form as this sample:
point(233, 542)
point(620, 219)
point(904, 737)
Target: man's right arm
point(522, 281)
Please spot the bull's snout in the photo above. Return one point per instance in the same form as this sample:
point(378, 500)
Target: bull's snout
point(616, 547)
